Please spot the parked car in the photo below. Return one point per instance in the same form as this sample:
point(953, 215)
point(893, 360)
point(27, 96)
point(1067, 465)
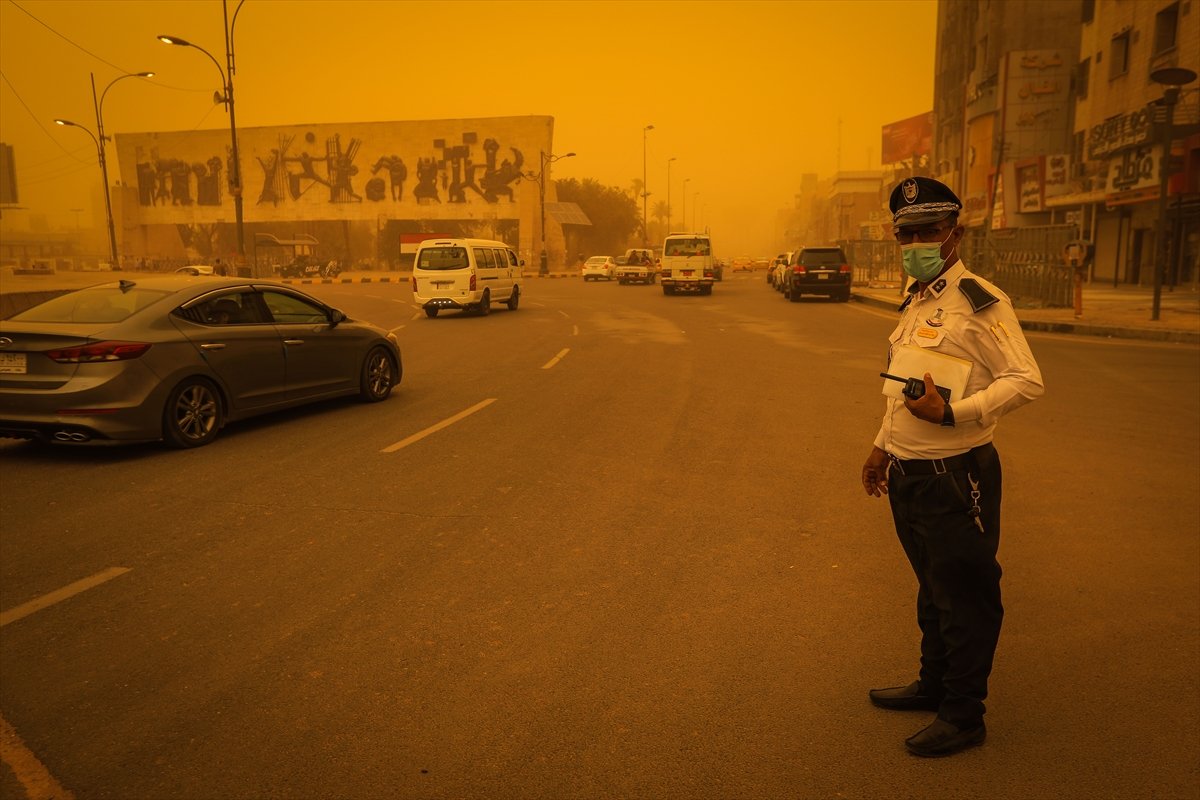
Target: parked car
point(598, 267)
point(818, 270)
point(196, 270)
point(742, 264)
point(176, 359)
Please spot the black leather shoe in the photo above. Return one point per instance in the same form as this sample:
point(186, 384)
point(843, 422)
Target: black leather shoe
point(942, 738)
point(905, 698)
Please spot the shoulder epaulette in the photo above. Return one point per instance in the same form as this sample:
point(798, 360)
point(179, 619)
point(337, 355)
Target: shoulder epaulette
point(979, 297)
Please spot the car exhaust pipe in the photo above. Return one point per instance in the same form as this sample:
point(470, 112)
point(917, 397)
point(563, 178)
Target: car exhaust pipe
point(71, 436)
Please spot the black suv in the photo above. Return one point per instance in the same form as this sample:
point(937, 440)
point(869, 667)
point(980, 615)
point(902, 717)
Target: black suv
point(818, 270)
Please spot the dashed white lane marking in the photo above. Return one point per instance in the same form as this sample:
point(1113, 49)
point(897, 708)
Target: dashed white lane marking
point(37, 781)
point(398, 327)
point(57, 596)
point(416, 437)
point(574, 330)
point(556, 359)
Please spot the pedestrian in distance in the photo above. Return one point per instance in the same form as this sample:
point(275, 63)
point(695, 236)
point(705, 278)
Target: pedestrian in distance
point(937, 465)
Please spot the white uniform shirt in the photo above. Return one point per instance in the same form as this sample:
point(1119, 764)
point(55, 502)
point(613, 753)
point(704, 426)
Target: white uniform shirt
point(1004, 374)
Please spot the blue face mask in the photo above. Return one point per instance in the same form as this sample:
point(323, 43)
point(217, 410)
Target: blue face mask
point(923, 260)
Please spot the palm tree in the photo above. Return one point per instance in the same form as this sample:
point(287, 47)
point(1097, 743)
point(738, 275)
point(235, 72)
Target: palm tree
point(636, 189)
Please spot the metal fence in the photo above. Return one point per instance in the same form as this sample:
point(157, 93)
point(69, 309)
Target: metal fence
point(1026, 263)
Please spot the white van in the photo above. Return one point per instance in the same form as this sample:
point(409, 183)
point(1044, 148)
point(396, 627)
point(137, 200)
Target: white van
point(466, 274)
point(687, 264)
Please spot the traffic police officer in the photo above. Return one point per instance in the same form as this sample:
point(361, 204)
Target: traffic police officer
point(936, 463)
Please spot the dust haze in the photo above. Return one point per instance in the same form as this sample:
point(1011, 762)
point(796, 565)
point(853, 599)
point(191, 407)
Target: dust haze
point(744, 96)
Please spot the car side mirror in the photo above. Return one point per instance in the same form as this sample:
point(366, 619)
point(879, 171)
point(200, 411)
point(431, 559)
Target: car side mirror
point(336, 317)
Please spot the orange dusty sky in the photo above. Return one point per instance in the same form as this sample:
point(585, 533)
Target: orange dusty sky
point(746, 96)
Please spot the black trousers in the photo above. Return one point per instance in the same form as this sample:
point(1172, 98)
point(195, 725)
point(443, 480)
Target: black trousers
point(958, 596)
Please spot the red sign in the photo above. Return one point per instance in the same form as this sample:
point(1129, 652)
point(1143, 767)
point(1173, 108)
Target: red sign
point(907, 138)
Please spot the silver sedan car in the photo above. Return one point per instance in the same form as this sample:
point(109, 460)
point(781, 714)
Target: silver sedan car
point(175, 358)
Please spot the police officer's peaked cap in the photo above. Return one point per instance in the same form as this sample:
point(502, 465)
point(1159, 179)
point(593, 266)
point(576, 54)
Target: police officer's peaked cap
point(920, 201)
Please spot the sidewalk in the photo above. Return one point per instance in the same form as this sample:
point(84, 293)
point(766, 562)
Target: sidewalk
point(1122, 313)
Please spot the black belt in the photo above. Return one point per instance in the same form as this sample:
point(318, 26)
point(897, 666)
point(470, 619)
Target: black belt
point(937, 466)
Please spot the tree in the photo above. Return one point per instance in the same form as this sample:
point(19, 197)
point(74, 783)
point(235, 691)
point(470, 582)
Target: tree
point(659, 212)
point(614, 215)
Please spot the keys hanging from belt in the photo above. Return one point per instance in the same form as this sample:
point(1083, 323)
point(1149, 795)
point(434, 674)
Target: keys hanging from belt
point(975, 510)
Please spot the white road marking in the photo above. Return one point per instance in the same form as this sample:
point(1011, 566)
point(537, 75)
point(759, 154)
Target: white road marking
point(37, 781)
point(416, 437)
point(574, 330)
point(565, 314)
point(417, 315)
point(393, 330)
point(57, 596)
point(556, 359)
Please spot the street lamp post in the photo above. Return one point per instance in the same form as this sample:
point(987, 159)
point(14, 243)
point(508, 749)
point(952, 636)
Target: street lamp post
point(99, 138)
point(235, 168)
point(669, 160)
point(1172, 78)
point(695, 210)
point(684, 214)
point(544, 161)
point(645, 193)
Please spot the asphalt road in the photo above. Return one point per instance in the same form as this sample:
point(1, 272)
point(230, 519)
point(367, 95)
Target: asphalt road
point(645, 569)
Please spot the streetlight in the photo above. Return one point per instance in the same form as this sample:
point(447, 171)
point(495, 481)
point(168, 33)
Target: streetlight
point(685, 183)
point(99, 138)
point(645, 194)
point(545, 160)
point(235, 170)
point(1172, 78)
point(669, 160)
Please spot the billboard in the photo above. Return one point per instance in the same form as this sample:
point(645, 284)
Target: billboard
point(907, 139)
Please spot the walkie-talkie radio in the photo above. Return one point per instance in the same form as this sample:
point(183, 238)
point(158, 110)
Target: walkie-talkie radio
point(915, 387)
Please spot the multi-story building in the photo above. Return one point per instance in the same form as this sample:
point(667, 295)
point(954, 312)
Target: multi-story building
point(1118, 144)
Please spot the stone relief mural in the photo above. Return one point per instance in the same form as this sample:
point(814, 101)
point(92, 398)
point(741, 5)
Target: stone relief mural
point(326, 172)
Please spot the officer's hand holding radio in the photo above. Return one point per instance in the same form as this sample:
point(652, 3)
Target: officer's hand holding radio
point(929, 406)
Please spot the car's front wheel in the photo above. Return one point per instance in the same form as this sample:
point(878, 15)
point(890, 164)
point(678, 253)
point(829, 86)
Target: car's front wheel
point(379, 375)
point(192, 416)
point(514, 299)
point(431, 312)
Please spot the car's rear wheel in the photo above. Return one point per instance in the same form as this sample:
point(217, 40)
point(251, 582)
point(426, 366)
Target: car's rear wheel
point(485, 305)
point(192, 416)
point(514, 299)
point(379, 375)
point(431, 312)
point(668, 290)
point(844, 296)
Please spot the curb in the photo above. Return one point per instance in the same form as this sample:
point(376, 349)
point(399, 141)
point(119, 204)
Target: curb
point(1076, 328)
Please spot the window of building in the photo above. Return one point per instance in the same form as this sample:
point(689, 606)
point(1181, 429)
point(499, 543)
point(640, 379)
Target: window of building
point(1166, 28)
point(1118, 64)
point(1083, 74)
point(1089, 11)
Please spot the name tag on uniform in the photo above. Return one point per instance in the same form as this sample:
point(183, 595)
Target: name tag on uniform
point(927, 333)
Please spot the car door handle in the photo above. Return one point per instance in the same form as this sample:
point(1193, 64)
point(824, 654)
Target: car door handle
point(293, 341)
point(212, 346)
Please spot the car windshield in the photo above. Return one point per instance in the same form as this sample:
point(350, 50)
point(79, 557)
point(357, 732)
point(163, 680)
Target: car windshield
point(105, 303)
point(596, 261)
point(828, 257)
point(442, 258)
point(686, 247)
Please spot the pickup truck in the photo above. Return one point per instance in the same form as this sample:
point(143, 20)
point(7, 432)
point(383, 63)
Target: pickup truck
point(636, 266)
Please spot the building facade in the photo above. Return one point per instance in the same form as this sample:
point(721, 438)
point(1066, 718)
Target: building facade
point(367, 192)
